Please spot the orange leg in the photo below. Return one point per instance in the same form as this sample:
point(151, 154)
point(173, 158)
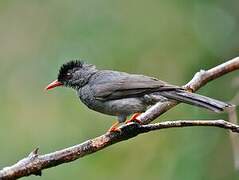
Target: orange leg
point(114, 127)
point(134, 119)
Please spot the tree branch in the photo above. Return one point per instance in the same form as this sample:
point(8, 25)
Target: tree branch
point(34, 163)
point(200, 79)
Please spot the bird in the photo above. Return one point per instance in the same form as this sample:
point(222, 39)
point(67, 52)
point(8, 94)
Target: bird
point(122, 94)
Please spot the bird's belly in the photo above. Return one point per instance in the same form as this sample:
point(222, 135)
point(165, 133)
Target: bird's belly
point(117, 107)
point(124, 106)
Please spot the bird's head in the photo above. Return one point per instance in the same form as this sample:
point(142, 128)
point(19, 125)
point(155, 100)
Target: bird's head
point(74, 74)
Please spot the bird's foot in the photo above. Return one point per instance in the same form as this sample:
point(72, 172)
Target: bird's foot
point(114, 128)
point(134, 119)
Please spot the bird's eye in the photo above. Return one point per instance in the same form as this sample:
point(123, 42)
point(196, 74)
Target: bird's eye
point(68, 75)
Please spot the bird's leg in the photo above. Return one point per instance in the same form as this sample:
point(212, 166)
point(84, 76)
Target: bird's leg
point(134, 119)
point(114, 127)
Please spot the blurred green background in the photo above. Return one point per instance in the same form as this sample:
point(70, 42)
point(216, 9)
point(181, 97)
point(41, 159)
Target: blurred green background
point(168, 39)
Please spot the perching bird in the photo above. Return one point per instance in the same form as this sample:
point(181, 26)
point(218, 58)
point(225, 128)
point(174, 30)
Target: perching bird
point(121, 94)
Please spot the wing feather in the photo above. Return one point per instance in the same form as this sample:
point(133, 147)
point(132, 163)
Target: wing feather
point(119, 85)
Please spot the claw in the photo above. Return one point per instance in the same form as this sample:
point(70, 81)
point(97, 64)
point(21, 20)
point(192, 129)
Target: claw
point(114, 128)
point(134, 119)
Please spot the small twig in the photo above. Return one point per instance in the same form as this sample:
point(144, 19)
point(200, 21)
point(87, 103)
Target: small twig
point(232, 117)
point(34, 163)
point(188, 123)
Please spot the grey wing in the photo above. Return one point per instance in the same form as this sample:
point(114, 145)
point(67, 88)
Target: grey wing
point(117, 85)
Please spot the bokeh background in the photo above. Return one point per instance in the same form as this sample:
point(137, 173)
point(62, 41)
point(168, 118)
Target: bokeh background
point(168, 39)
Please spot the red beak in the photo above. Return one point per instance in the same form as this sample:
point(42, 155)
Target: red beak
point(54, 84)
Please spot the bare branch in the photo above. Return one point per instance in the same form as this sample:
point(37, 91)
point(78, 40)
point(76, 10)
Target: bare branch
point(34, 163)
point(232, 118)
point(200, 79)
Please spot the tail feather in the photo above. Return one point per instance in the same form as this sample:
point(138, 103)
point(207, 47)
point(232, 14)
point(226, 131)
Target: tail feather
point(196, 99)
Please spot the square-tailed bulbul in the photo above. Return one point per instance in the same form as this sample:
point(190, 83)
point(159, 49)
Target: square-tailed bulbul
point(121, 94)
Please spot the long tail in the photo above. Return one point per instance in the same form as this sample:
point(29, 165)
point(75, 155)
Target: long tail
point(196, 99)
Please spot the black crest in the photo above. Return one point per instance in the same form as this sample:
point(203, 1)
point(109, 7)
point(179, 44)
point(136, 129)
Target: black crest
point(67, 66)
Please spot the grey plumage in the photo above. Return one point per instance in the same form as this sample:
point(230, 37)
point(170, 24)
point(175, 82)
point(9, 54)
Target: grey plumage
point(121, 94)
